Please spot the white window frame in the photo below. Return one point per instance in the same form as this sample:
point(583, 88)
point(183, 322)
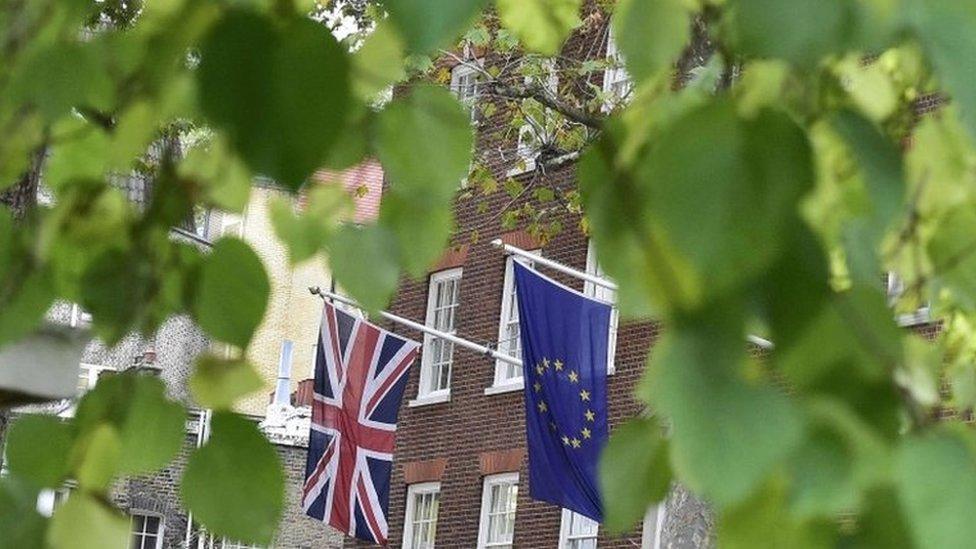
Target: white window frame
point(565, 529)
point(459, 72)
point(90, 373)
point(614, 75)
point(413, 491)
point(489, 482)
point(651, 532)
point(603, 294)
point(146, 514)
point(228, 220)
point(424, 395)
point(503, 383)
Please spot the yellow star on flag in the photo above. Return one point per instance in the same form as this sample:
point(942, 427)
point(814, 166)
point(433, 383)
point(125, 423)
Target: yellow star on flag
point(545, 363)
point(566, 440)
point(538, 369)
point(585, 432)
point(573, 376)
point(589, 415)
point(542, 406)
point(584, 395)
point(576, 442)
point(537, 386)
point(558, 364)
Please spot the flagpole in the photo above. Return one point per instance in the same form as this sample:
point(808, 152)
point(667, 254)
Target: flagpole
point(598, 280)
point(482, 349)
point(555, 265)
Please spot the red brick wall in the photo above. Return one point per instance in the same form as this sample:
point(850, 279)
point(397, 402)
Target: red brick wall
point(473, 430)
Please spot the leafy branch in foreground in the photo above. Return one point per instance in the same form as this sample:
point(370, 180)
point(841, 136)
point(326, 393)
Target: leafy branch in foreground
point(779, 202)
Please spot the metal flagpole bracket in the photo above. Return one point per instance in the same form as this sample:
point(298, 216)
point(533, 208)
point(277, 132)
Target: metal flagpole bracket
point(598, 280)
point(467, 344)
point(555, 265)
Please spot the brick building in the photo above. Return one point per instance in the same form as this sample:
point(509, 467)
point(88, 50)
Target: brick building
point(158, 517)
point(460, 470)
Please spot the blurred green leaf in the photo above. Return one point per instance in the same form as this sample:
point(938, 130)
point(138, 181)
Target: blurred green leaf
point(84, 522)
point(283, 104)
point(428, 24)
point(150, 427)
point(364, 264)
point(428, 123)
point(21, 524)
point(541, 25)
point(238, 498)
point(308, 232)
point(796, 30)
point(936, 479)
point(728, 434)
point(764, 521)
point(945, 28)
point(60, 76)
point(378, 63)
point(634, 472)
point(97, 456)
point(218, 383)
point(233, 292)
point(44, 464)
point(225, 180)
point(881, 165)
point(739, 180)
point(651, 35)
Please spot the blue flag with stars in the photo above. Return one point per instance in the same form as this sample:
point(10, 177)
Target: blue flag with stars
point(564, 352)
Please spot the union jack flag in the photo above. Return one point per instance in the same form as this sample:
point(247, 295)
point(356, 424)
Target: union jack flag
point(360, 374)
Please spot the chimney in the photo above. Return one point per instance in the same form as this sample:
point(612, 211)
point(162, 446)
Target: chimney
point(282, 396)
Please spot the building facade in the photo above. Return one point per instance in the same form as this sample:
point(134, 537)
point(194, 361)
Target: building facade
point(460, 468)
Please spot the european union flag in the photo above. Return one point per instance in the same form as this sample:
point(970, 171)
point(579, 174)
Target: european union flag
point(564, 350)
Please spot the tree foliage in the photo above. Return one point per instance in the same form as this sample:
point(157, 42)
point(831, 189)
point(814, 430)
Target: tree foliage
point(767, 184)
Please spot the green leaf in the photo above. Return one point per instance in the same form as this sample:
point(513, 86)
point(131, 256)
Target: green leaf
point(84, 522)
point(739, 180)
point(218, 383)
point(634, 472)
point(60, 76)
point(764, 521)
point(428, 24)
point(728, 434)
point(150, 427)
point(23, 310)
point(945, 28)
point(37, 449)
point(651, 35)
point(428, 123)
point(97, 458)
point(226, 182)
point(378, 64)
point(541, 25)
point(235, 485)
point(422, 231)
point(799, 31)
point(309, 232)
point(233, 292)
point(882, 523)
point(364, 264)
point(282, 104)
point(952, 250)
point(936, 479)
point(881, 165)
point(21, 524)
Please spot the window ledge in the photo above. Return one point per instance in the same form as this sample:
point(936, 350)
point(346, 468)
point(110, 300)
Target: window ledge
point(428, 400)
point(506, 387)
